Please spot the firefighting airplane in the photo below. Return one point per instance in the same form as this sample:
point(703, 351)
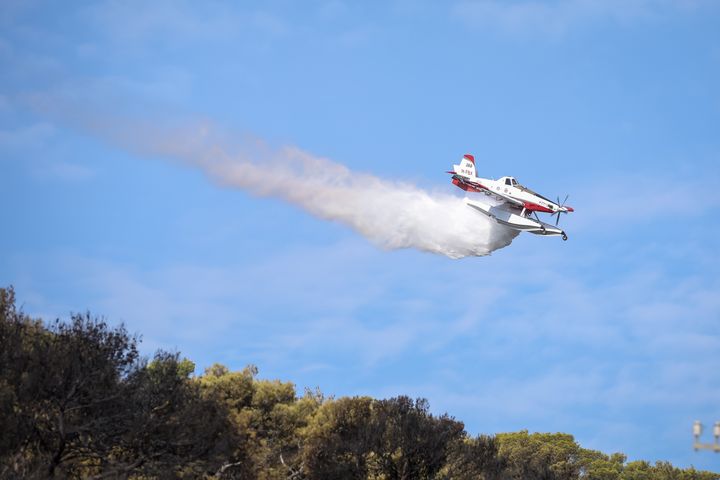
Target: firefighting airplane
point(518, 204)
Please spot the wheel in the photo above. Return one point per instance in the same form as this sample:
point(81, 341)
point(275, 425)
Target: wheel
point(564, 237)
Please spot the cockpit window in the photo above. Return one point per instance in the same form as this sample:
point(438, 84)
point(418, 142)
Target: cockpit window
point(514, 182)
point(507, 181)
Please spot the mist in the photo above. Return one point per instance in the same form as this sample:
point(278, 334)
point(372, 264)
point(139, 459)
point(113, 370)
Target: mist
point(390, 214)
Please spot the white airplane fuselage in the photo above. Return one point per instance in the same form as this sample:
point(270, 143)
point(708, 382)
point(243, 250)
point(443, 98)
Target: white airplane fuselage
point(508, 186)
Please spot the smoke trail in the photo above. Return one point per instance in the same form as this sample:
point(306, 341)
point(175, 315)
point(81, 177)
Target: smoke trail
point(391, 214)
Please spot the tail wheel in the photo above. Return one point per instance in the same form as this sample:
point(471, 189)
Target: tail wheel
point(564, 237)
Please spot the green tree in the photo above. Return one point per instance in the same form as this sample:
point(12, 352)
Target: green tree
point(638, 470)
point(599, 466)
point(76, 401)
point(171, 429)
point(67, 391)
point(339, 439)
point(268, 417)
point(17, 459)
point(413, 444)
point(396, 438)
point(474, 459)
point(692, 474)
point(550, 456)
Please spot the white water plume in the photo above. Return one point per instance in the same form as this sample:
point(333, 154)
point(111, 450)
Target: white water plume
point(390, 214)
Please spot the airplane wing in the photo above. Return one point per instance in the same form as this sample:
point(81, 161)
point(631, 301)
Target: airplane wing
point(471, 186)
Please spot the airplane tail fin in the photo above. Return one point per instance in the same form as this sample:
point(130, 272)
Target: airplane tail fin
point(466, 167)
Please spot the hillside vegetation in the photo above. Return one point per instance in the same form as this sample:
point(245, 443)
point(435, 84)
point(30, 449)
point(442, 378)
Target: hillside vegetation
point(78, 401)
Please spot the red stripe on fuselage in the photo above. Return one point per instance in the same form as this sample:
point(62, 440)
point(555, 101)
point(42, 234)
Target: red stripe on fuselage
point(536, 208)
point(465, 186)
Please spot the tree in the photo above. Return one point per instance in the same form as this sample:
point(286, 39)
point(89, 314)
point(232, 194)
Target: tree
point(267, 417)
point(395, 438)
point(598, 466)
point(413, 444)
point(171, 429)
point(474, 459)
point(78, 402)
point(65, 382)
point(545, 456)
point(339, 439)
point(16, 457)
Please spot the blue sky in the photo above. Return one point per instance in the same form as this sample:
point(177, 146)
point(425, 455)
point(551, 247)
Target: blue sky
point(612, 336)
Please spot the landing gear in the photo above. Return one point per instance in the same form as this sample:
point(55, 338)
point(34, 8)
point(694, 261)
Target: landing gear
point(564, 237)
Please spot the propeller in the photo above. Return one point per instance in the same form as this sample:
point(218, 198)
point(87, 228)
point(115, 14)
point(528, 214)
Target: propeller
point(557, 220)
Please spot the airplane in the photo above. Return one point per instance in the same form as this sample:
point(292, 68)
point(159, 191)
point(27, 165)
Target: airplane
point(518, 204)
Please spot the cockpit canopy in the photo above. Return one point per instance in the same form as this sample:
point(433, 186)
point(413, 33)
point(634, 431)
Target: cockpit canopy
point(511, 182)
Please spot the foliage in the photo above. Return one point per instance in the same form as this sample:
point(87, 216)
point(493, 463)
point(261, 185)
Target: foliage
point(552, 456)
point(475, 458)
point(78, 401)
